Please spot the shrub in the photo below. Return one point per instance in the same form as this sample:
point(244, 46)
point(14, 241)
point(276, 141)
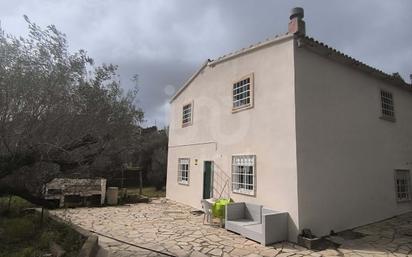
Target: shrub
point(72, 241)
point(18, 229)
point(27, 252)
point(16, 205)
point(45, 239)
point(67, 238)
point(157, 175)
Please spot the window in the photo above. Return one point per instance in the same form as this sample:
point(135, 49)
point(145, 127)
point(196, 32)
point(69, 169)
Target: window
point(387, 107)
point(183, 171)
point(243, 93)
point(187, 115)
point(402, 184)
point(243, 174)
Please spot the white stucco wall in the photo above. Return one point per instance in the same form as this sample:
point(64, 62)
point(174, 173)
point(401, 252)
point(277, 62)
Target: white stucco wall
point(346, 154)
point(267, 130)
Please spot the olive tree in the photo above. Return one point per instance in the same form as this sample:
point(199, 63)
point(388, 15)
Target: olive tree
point(58, 111)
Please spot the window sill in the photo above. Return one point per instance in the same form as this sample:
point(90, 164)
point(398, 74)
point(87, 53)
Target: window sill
point(183, 183)
point(387, 118)
point(244, 192)
point(404, 201)
point(239, 109)
point(186, 125)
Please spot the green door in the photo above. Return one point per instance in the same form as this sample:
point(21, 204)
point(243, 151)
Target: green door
point(207, 179)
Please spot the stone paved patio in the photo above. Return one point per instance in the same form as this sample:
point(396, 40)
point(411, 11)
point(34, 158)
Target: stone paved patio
point(170, 227)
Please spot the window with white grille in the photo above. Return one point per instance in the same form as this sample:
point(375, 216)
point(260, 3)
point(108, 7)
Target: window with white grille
point(183, 171)
point(243, 174)
point(402, 184)
point(387, 106)
point(243, 93)
point(187, 115)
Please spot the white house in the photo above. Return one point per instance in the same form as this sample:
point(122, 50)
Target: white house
point(297, 126)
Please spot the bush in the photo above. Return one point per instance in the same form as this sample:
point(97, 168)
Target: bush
point(71, 240)
point(66, 237)
point(18, 229)
point(27, 252)
point(22, 236)
point(16, 205)
point(45, 239)
point(157, 176)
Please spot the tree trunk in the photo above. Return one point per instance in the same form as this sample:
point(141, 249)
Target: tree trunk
point(27, 178)
point(9, 205)
point(140, 182)
point(27, 182)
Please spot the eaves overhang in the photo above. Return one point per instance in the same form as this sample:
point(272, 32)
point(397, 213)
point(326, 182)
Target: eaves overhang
point(331, 53)
point(243, 51)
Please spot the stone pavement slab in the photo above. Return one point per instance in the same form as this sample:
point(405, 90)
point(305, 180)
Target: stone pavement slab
point(171, 228)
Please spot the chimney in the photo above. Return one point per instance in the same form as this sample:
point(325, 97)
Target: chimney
point(297, 24)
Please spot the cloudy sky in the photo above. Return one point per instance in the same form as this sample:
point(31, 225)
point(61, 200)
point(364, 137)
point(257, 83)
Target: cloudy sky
point(164, 41)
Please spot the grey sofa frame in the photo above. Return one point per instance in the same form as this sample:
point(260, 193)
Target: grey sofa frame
point(256, 222)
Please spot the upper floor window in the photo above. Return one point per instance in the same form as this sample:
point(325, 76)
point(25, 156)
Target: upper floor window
point(387, 106)
point(402, 184)
point(187, 115)
point(243, 174)
point(243, 93)
point(183, 171)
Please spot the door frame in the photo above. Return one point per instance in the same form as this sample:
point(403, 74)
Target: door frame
point(211, 178)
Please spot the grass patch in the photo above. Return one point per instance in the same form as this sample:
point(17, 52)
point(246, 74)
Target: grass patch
point(24, 234)
point(147, 191)
point(17, 204)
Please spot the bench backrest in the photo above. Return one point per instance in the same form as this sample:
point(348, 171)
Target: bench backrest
point(253, 212)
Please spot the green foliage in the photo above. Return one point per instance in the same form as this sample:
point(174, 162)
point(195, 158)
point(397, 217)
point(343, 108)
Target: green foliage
point(58, 107)
point(12, 162)
point(21, 228)
point(157, 176)
point(147, 191)
point(153, 192)
point(23, 235)
point(69, 239)
point(45, 239)
point(26, 252)
point(17, 204)
point(152, 156)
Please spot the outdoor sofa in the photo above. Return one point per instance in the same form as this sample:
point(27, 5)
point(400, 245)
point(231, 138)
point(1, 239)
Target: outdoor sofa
point(256, 222)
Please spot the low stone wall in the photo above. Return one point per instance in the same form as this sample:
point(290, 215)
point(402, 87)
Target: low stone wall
point(90, 246)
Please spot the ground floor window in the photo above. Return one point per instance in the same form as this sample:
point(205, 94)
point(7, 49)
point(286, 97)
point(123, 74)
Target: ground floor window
point(243, 174)
point(402, 184)
point(183, 171)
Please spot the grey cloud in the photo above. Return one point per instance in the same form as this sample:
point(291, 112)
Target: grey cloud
point(165, 41)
